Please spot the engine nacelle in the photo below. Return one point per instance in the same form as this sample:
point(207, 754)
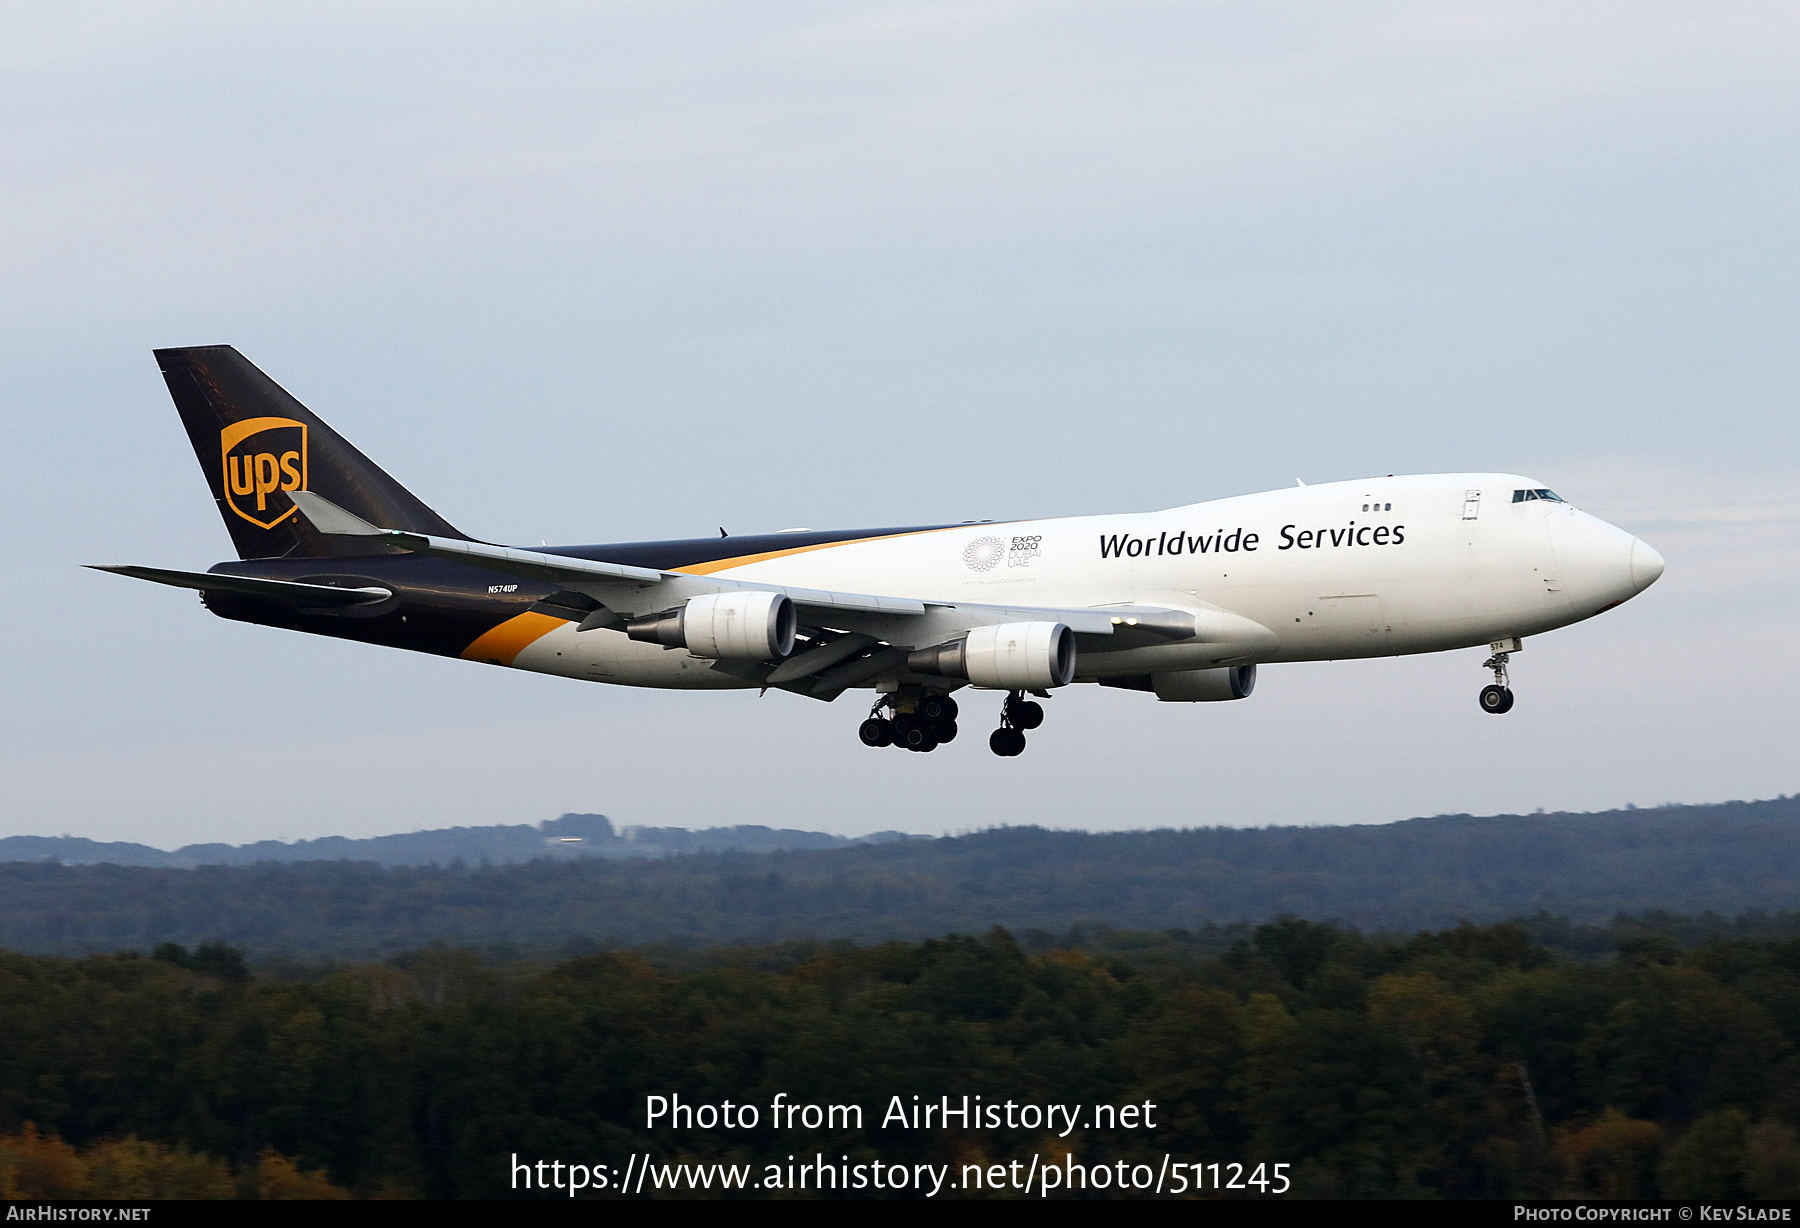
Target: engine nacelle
point(1192, 685)
point(1189, 686)
point(1009, 657)
point(744, 626)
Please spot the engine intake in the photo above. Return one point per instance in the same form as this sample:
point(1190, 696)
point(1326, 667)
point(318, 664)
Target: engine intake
point(724, 626)
point(1009, 657)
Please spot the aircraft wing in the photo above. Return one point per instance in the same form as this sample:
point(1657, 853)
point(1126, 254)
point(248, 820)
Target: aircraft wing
point(865, 634)
point(581, 574)
point(671, 587)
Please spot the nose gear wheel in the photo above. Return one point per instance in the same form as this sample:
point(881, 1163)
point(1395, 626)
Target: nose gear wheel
point(1497, 698)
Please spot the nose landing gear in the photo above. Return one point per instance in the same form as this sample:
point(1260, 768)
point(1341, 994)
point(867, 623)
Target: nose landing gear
point(1498, 698)
point(1017, 715)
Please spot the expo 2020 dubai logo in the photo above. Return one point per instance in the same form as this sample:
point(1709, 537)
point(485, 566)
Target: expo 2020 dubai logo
point(983, 554)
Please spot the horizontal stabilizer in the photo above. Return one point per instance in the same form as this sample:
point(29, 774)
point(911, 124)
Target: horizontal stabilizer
point(286, 592)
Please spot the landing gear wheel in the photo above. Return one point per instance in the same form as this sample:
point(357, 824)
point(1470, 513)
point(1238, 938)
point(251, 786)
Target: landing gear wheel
point(914, 736)
point(1017, 714)
point(936, 708)
point(1006, 743)
point(911, 727)
point(1497, 698)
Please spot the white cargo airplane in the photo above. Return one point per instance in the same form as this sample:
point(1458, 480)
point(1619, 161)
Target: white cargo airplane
point(1183, 604)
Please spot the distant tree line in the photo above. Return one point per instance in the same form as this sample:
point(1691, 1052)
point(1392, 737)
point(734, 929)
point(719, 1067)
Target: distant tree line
point(567, 837)
point(1472, 1062)
point(1423, 873)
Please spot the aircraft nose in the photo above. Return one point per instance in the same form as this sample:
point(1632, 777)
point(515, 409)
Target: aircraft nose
point(1646, 565)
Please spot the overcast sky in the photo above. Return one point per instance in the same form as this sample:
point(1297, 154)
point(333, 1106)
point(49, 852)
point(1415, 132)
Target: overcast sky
point(602, 272)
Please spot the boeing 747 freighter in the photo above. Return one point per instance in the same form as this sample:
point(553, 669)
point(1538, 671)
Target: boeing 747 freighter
point(1182, 605)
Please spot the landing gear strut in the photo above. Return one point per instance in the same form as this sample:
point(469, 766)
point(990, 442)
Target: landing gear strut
point(920, 722)
point(1497, 698)
point(1017, 715)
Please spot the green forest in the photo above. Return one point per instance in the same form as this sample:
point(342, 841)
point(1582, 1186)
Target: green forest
point(1470, 1062)
point(1419, 874)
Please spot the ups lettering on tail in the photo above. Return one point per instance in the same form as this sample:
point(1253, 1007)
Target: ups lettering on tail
point(260, 460)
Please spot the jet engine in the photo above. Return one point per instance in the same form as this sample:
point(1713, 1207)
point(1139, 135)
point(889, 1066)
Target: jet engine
point(1203, 685)
point(1009, 657)
point(745, 626)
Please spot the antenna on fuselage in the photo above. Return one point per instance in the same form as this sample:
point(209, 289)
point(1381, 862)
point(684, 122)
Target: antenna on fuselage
point(1298, 482)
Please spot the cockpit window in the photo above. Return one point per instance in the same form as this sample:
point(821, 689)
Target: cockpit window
point(1520, 496)
point(1548, 494)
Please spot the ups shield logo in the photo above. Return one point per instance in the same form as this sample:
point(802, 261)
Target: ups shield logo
point(262, 458)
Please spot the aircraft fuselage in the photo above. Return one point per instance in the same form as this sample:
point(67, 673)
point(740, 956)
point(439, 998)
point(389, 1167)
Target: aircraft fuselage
point(1381, 567)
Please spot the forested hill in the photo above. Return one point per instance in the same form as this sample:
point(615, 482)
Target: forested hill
point(571, 836)
point(1469, 1063)
point(1422, 873)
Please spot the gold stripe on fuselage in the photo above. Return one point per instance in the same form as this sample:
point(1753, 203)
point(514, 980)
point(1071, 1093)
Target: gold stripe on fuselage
point(505, 642)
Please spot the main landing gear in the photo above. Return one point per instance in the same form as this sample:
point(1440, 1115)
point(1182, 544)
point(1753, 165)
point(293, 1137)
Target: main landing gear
point(1017, 715)
point(1497, 698)
point(922, 723)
